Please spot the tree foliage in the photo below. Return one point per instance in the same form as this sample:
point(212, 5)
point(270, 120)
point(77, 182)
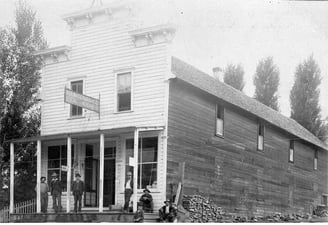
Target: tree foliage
point(304, 98)
point(234, 76)
point(20, 81)
point(266, 81)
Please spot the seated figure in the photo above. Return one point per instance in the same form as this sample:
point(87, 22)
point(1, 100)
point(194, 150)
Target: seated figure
point(167, 213)
point(147, 201)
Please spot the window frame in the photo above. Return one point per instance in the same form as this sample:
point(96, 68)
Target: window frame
point(116, 74)
point(258, 136)
point(69, 83)
point(55, 169)
point(291, 148)
point(324, 199)
point(219, 107)
point(315, 159)
point(126, 163)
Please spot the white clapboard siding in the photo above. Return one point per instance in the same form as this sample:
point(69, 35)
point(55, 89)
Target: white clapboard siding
point(97, 51)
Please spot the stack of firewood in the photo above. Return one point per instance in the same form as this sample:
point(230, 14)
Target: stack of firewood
point(201, 209)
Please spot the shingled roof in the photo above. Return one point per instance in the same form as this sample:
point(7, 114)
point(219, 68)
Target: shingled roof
point(205, 82)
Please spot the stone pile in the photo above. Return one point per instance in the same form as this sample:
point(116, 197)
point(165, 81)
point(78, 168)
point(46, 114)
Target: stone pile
point(201, 209)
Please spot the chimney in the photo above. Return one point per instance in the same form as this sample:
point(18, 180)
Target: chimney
point(218, 73)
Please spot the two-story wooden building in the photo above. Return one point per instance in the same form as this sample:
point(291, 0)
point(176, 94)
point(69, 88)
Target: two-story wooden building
point(146, 111)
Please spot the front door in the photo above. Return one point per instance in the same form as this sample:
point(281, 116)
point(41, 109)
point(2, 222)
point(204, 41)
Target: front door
point(91, 177)
point(109, 176)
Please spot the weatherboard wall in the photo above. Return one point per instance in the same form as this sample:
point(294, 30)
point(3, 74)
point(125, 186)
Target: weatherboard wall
point(229, 169)
point(98, 51)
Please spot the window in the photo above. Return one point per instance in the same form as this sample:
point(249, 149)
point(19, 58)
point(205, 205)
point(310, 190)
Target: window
point(291, 151)
point(315, 160)
point(124, 92)
point(77, 86)
point(219, 120)
point(260, 138)
point(324, 200)
point(57, 159)
point(147, 161)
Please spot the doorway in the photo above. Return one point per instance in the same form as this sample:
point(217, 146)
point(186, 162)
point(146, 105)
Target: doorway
point(109, 175)
point(91, 194)
point(91, 177)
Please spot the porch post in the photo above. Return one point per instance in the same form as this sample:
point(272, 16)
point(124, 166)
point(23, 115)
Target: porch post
point(38, 176)
point(12, 160)
point(135, 169)
point(69, 173)
point(101, 172)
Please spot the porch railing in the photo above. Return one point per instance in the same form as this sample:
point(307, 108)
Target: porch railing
point(20, 207)
point(4, 215)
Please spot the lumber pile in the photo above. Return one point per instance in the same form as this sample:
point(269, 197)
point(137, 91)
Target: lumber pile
point(201, 209)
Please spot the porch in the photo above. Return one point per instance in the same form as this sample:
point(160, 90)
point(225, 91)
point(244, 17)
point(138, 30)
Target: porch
point(102, 158)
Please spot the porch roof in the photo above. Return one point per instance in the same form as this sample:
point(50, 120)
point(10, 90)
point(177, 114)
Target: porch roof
point(112, 131)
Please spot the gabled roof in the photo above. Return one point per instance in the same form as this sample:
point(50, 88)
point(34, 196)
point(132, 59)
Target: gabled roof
point(205, 82)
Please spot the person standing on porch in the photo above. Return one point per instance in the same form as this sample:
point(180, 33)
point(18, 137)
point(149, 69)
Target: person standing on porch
point(78, 189)
point(56, 191)
point(128, 191)
point(44, 194)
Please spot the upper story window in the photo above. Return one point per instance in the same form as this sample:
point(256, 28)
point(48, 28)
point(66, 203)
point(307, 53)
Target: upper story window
point(315, 160)
point(219, 120)
point(291, 151)
point(260, 137)
point(77, 86)
point(124, 87)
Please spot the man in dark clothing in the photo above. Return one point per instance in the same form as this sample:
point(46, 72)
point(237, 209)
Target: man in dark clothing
point(128, 190)
point(147, 201)
point(167, 213)
point(78, 189)
point(56, 191)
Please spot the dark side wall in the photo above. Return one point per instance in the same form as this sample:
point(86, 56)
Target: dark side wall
point(230, 170)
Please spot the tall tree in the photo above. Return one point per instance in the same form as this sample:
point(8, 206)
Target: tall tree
point(234, 76)
point(19, 81)
point(304, 98)
point(266, 81)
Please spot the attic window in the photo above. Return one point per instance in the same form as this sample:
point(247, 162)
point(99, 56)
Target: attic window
point(260, 137)
point(291, 151)
point(219, 120)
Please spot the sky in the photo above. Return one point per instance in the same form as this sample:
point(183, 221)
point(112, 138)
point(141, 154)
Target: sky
point(214, 33)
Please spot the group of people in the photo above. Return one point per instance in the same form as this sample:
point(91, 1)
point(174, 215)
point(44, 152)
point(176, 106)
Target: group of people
point(56, 192)
point(167, 213)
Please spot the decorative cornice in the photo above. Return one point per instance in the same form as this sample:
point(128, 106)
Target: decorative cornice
point(152, 35)
point(90, 14)
point(54, 55)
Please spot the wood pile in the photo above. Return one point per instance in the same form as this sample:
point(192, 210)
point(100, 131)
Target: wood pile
point(321, 211)
point(201, 209)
